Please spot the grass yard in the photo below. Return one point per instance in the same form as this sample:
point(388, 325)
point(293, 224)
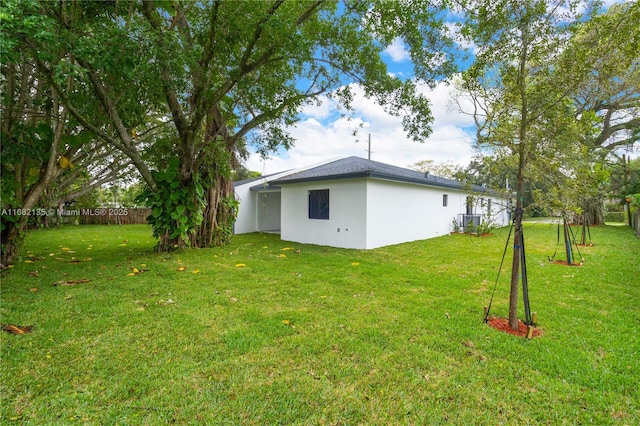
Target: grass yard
point(315, 335)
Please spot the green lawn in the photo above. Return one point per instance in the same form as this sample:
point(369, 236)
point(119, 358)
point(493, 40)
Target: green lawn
point(315, 335)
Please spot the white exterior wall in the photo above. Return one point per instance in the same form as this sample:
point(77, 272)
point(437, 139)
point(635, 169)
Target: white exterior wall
point(401, 212)
point(347, 214)
point(268, 210)
point(258, 210)
point(247, 217)
point(363, 213)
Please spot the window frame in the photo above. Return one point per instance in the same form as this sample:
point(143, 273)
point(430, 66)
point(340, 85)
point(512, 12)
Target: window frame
point(319, 204)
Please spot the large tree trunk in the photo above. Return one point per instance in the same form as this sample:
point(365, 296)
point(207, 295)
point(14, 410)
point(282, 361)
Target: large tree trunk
point(219, 216)
point(220, 212)
point(11, 238)
point(13, 232)
point(594, 211)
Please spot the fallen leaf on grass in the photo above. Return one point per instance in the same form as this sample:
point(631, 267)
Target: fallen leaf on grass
point(195, 271)
point(240, 265)
point(28, 261)
point(136, 271)
point(355, 263)
point(181, 269)
point(33, 274)
point(33, 290)
point(282, 255)
point(17, 329)
point(286, 248)
point(288, 323)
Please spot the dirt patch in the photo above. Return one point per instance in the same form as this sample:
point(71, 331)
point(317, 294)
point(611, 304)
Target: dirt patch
point(502, 324)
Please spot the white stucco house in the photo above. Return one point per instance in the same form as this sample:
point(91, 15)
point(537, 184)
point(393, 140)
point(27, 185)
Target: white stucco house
point(362, 204)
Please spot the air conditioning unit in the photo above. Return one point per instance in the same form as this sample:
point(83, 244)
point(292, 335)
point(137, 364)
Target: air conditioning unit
point(472, 220)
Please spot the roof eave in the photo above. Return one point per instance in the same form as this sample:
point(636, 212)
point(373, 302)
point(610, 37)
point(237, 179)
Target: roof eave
point(369, 174)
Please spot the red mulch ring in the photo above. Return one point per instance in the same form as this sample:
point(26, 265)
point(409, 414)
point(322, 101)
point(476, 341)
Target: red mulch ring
point(564, 262)
point(502, 324)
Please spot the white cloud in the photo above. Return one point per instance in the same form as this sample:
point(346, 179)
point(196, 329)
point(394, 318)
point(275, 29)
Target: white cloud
point(397, 51)
point(321, 139)
point(320, 109)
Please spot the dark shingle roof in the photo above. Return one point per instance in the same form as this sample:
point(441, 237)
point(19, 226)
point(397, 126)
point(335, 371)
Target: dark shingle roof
point(254, 179)
point(356, 167)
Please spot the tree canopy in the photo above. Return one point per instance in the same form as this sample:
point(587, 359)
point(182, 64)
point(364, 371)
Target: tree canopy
point(181, 88)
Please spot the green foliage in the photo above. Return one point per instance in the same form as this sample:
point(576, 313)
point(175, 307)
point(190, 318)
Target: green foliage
point(615, 217)
point(455, 226)
point(614, 207)
point(176, 208)
point(446, 169)
point(486, 226)
point(230, 206)
point(600, 67)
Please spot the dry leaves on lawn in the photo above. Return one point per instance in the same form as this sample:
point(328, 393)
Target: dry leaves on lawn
point(17, 329)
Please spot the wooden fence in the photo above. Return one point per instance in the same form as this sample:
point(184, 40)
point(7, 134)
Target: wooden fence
point(112, 216)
